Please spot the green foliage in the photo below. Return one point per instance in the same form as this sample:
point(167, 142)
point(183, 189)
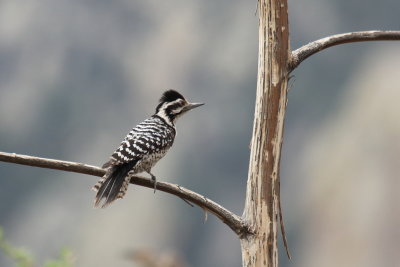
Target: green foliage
point(66, 259)
point(23, 258)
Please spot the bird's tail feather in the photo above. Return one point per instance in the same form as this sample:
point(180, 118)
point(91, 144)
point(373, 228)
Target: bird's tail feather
point(113, 184)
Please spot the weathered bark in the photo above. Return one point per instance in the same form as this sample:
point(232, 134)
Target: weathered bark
point(261, 210)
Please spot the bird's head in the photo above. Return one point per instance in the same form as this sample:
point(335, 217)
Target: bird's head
point(173, 105)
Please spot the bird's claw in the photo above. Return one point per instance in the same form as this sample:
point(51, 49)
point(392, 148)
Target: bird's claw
point(155, 182)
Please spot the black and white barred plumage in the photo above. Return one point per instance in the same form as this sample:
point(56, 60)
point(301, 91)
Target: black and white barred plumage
point(142, 148)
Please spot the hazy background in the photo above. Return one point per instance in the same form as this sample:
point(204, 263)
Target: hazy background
point(75, 76)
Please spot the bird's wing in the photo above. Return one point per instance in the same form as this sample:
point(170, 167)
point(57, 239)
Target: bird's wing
point(145, 138)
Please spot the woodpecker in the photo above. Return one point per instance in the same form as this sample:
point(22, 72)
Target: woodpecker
point(142, 148)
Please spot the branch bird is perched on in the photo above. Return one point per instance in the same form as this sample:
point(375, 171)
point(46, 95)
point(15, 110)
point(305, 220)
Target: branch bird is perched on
point(142, 148)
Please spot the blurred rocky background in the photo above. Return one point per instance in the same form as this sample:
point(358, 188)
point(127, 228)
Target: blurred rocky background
point(75, 76)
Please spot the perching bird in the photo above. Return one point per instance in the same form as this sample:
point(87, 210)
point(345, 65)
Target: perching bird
point(142, 148)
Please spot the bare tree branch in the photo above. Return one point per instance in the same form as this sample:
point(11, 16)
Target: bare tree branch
point(68, 166)
point(310, 49)
point(235, 222)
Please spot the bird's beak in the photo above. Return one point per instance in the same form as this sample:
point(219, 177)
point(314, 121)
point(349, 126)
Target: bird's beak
point(192, 106)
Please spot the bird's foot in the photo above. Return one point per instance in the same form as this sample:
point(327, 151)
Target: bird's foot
point(153, 177)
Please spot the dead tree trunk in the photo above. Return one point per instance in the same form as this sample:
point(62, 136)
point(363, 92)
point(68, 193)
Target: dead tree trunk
point(262, 206)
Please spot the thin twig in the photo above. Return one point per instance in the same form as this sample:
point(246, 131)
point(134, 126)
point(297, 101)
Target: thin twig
point(229, 218)
point(187, 202)
point(310, 49)
point(283, 232)
point(205, 215)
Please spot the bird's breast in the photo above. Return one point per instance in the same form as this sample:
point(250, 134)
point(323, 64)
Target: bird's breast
point(148, 161)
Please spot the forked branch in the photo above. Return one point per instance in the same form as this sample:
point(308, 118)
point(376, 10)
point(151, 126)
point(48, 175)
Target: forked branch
point(310, 49)
point(229, 218)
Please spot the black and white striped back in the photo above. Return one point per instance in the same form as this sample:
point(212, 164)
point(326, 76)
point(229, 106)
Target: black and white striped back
point(140, 150)
point(152, 136)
